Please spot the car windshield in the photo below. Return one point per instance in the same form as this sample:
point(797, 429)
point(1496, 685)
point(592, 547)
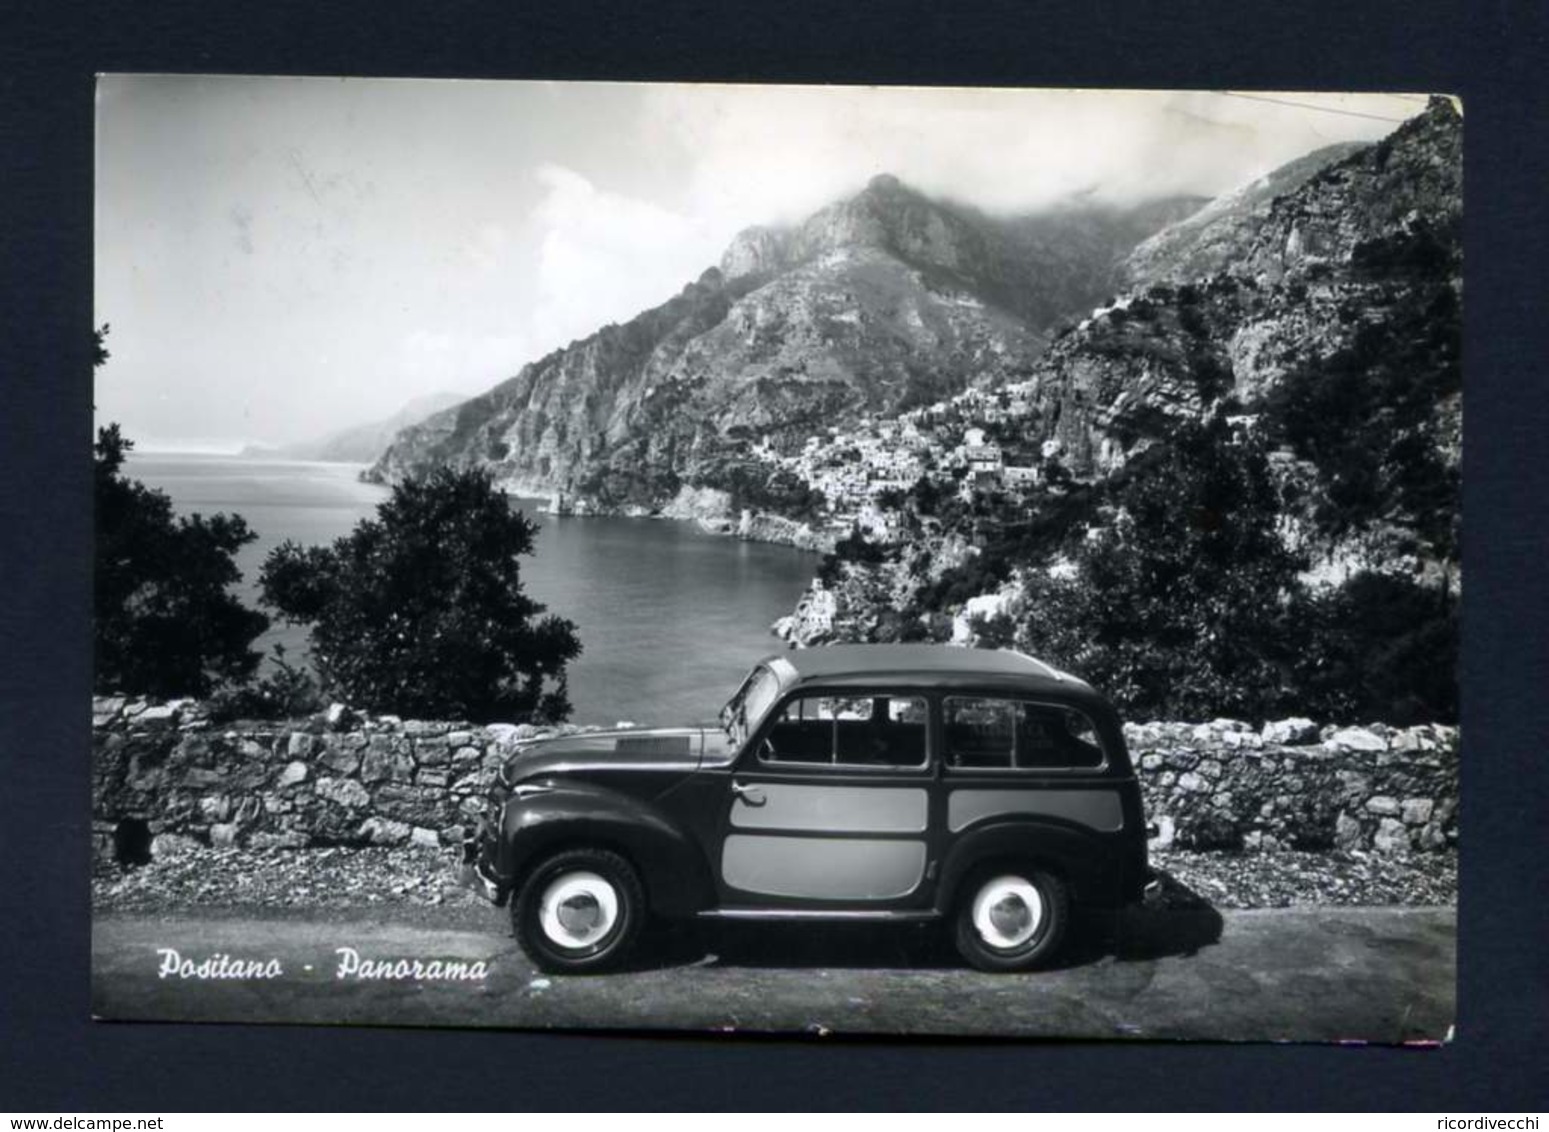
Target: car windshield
point(744, 710)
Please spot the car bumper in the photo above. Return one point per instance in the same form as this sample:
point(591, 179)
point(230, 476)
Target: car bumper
point(1151, 894)
point(476, 874)
point(473, 877)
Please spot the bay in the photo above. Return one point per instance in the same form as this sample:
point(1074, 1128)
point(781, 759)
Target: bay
point(669, 617)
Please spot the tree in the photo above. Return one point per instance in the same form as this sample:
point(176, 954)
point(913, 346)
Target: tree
point(420, 611)
point(1188, 605)
point(1385, 648)
point(165, 623)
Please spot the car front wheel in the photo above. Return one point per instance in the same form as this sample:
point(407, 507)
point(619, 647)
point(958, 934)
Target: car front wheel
point(579, 912)
point(1011, 918)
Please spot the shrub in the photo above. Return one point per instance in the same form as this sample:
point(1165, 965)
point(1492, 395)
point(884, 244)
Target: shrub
point(285, 692)
point(1384, 648)
point(855, 549)
point(421, 611)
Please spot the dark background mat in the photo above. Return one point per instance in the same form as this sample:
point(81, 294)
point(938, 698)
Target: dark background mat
point(55, 1058)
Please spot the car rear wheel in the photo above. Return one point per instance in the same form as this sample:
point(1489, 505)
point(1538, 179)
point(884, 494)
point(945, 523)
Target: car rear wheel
point(579, 911)
point(1011, 918)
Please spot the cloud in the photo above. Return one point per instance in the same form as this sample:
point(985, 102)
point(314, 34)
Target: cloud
point(596, 252)
point(488, 246)
point(761, 153)
point(606, 256)
point(434, 360)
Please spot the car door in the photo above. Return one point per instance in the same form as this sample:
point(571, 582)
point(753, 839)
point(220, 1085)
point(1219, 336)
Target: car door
point(830, 804)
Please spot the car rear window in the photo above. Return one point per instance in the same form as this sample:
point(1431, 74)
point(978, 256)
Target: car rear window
point(989, 733)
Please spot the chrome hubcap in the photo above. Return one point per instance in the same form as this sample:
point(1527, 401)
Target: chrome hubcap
point(1007, 912)
point(578, 909)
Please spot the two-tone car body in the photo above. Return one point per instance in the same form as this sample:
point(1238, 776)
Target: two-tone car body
point(869, 782)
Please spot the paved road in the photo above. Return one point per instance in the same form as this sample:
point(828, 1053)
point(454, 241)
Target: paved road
point(1373, 974)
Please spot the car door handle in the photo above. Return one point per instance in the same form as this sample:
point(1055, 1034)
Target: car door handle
point(752, 795)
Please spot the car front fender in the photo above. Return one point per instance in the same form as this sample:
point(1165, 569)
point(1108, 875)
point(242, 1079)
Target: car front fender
point(571, 815)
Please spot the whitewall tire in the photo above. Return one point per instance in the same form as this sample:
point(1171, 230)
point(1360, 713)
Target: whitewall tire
point(579, 911)
point(1011, 918)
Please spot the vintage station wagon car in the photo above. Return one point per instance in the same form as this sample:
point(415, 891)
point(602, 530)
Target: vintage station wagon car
point(865, 782)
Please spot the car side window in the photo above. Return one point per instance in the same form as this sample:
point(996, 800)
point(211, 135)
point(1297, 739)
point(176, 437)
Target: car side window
point(989, 733)
point(850, 731)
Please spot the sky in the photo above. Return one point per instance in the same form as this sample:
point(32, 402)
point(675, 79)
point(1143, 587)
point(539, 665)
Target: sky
point(280, 258)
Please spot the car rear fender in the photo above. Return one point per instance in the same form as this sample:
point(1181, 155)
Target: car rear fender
point(1088, 863)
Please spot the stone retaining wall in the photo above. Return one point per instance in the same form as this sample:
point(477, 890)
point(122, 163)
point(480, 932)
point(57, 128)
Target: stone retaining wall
point(339, 778)
point(1293, 785)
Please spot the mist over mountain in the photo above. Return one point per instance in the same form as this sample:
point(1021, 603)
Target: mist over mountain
point(362, 443)
point(1362, 249)
point(1206, 241)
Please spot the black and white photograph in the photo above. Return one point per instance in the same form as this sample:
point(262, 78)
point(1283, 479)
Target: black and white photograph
point(772, 559)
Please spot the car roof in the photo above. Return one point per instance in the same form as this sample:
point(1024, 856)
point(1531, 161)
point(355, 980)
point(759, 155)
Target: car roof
point(929, 665)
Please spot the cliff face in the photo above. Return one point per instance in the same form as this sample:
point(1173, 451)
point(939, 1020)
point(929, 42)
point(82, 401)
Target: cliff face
point(1209, 240)
point(1345, 289)
point(876, 303)
point(1321, 344)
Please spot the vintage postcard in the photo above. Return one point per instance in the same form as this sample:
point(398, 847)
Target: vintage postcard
point(828, 560)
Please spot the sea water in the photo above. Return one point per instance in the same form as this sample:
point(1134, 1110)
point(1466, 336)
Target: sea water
point(669, 617)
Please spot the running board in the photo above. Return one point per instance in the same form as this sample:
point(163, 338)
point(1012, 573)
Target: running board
point(861, 915)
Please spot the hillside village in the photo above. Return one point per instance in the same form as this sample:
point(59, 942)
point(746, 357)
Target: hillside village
point(860, 469)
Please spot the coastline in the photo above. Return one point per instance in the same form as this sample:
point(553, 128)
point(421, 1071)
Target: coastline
point(708, 508)
point(811, 618)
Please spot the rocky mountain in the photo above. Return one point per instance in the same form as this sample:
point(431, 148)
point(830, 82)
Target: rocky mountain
point(1365, 250)
point(1279, 432)
point(359, 444)
point(1209, 240)
point(880, 302)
